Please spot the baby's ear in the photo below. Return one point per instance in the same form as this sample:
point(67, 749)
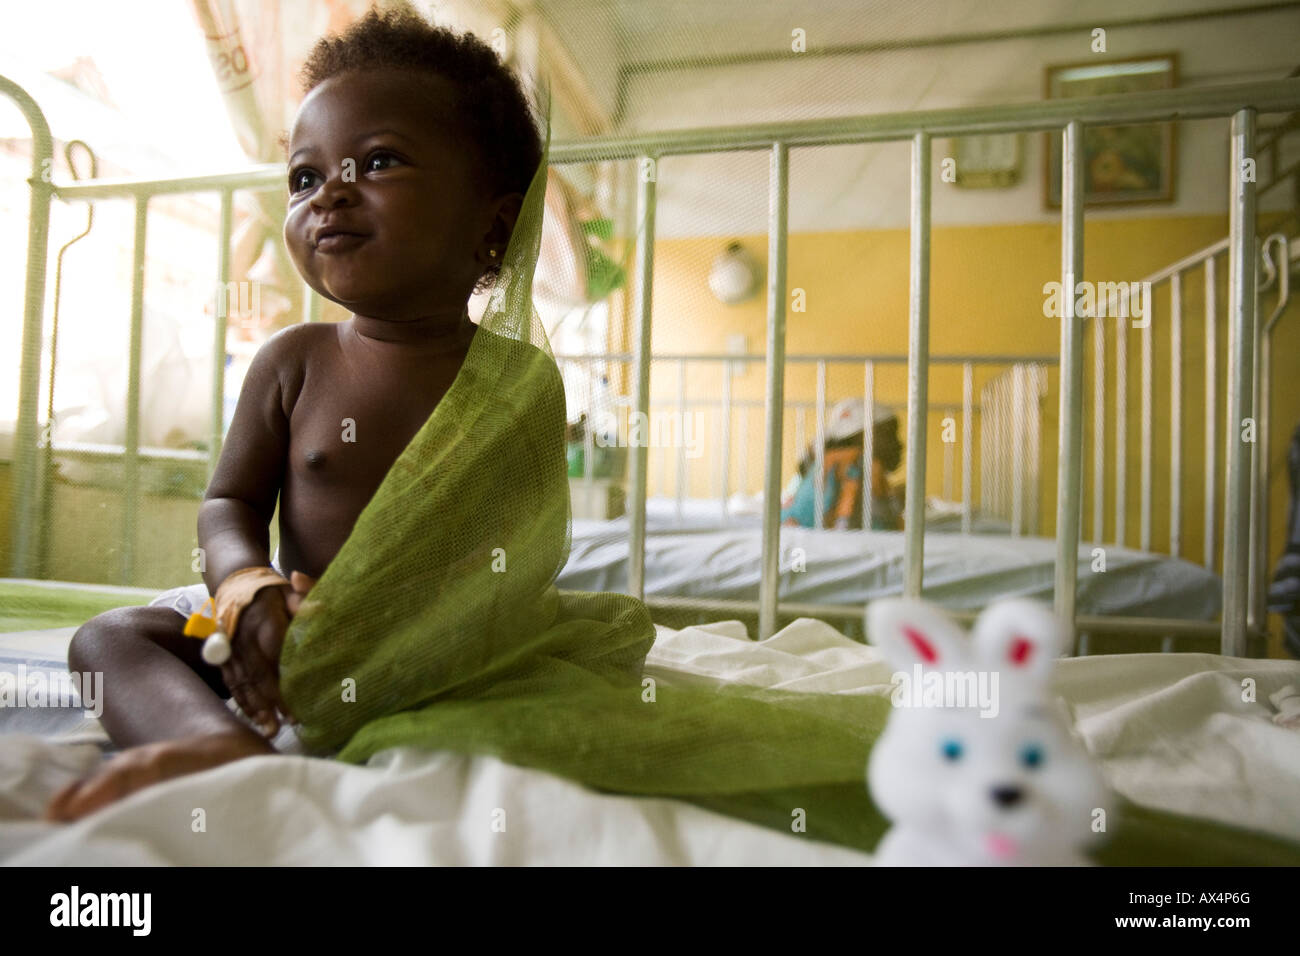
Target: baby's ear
point(910, 631)
point(1018, 636)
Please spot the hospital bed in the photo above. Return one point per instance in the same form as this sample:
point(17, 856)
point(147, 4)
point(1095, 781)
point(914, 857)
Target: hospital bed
point(1145, 717)
point(1242, 559)
point(703, 555)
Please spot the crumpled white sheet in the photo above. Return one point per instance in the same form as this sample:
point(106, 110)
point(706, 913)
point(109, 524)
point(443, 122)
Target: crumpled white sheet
point(1170, 731)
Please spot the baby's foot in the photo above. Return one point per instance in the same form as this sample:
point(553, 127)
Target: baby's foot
point(138, 767)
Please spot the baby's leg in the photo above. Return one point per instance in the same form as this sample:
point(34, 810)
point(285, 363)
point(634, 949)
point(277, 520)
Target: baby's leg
point(161, 703)
point(156, 684)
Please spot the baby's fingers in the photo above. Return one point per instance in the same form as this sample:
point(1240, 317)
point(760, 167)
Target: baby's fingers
point(302, 585)
point(244, 690)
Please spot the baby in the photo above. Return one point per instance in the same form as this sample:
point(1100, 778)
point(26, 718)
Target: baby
point(408, 163)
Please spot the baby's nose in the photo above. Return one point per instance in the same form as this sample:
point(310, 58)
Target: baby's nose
point(1007, 797)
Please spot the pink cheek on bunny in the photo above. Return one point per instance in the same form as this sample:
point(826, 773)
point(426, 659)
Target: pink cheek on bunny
point(1001, 847)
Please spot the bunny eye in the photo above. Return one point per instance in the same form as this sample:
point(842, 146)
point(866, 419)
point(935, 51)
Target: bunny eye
point(951, 750)
point(1032, 756)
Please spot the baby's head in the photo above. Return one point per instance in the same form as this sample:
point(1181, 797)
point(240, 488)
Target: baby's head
point(408, 163)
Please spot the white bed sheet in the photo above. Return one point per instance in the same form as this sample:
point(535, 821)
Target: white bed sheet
point(1169, 730)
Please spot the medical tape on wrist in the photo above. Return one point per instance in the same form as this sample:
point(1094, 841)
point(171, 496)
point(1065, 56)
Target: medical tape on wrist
point(218, 619)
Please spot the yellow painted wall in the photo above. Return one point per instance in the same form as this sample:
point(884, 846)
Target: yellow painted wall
point(986, 298)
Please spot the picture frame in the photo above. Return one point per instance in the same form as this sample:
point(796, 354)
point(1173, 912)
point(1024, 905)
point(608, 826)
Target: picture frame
point(988, 161)
point(1123, 165)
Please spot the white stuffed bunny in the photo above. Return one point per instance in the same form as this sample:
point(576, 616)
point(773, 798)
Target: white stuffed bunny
point(998, 782)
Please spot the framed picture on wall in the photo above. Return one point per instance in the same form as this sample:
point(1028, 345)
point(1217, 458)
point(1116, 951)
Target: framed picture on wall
point(1122, 164)
point(988, 161)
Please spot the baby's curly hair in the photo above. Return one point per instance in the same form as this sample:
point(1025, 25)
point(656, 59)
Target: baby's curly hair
point(491, 105)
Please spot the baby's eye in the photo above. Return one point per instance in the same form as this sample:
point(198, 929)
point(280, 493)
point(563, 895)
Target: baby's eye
point(951, 750)
point(301, 179)
point(1032, 756)
point(380, 160)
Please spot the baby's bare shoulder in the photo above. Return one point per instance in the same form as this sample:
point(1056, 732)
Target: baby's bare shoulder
point(302, 342)
point(290, 353)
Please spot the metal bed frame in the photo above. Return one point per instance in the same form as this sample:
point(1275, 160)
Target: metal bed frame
point(1009, 405)
point(1242, 102)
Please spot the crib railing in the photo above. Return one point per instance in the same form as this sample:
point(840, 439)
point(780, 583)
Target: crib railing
point(1241, 102)
point(1199, 266)
point(1011, 429)
point(1009, 470)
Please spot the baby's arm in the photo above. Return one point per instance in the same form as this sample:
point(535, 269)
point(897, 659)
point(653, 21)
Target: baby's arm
point(235, 517)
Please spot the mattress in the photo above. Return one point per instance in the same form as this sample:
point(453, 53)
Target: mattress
point(1169, 731)
point(962, 572)
point(746, 511)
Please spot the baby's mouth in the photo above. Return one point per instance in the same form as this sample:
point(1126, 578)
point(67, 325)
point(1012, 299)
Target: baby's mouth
point(334, 242)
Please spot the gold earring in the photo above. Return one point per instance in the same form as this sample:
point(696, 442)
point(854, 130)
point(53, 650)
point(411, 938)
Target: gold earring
point(492, 253)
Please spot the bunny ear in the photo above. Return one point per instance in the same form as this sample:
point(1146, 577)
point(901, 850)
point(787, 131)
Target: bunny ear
point(1018, 636)
point(911, 631)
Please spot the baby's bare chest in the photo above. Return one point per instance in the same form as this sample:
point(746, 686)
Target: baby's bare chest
point(351, 420)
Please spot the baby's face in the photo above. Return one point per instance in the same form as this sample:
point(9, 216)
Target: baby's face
point(386, 215)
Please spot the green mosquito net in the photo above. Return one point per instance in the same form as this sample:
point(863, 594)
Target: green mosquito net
point(440, 625)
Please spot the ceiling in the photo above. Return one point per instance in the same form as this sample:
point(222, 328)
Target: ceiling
point(649, 50)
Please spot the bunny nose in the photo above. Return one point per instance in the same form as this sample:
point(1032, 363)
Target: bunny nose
point(1007, 797)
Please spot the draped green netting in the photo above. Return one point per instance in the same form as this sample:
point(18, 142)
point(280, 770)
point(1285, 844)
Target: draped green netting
point(439, 625)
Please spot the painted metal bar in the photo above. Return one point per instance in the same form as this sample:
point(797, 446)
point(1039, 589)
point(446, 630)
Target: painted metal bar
point(1017, 450)
point(1121, 431)
point(218, 420)
point(1035, 447)
point(638, 452)
point(801, 443)
point(260, 177)
point(662, 458)
point(1264, 420)
point(949, 465)
point(1153, 106)
point(131, 453)
point(819, 451)
point(681, 445)
point(1097, 624)
point(1187, 262)
point(868, 440)
point(967, 440)
point(988, 449)
point(1211, 407)
point(744, 450)
point(1242, 261)
point(777, 224)
point(1044, 115)
point(1069, 470)
point(810, 358)
point(589, 450)
point(1098, 430)
point(1147, 439)
point(724, 466)
point(918, 368)
point(999, 446)
point(24, 544)
point(1175, 414)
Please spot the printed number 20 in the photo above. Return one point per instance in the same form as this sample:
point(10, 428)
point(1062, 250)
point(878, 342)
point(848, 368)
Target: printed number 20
point(236, 61)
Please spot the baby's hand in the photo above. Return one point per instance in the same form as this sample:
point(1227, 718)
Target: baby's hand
point(253, 671)
point(301, 584)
